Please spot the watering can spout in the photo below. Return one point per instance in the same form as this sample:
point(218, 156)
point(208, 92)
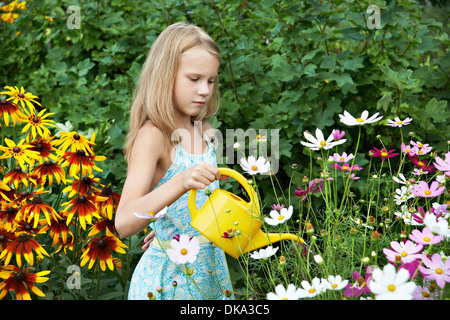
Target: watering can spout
point(261, 239)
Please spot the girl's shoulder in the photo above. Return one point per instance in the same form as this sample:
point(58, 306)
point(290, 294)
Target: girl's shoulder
point(150, 137)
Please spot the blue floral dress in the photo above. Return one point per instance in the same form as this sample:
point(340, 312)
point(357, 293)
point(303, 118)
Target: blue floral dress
point(208, 276)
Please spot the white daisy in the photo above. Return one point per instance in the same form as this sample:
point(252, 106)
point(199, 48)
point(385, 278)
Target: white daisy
point(264, 253)
point(253, 166)
point(319, 142)
point(184, 250)
point(312, 289)
point(279, 217)
point(387, 284)
point(282, 293)
point(349, 120)
point(399, 123)
point(151, 215)
point(334, 282)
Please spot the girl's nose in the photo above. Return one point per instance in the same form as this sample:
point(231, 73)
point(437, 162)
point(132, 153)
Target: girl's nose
point(204, 89)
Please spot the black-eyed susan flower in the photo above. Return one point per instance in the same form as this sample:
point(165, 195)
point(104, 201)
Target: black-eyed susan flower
point(85, 186)
point(23, 197)
point(21, 96)
point(85, 206)
point(60, 229)
point(9, 109)
point(6, 237)
point(49, 169)
point(44, 147)
point(8, 215)
point(18, 280)
point(103, 223)
point(101, 248)
point(5, 191)
point(24, 245)
point(112, 201)
point(34, 209)
point(37, 124)
point(17, 177)
point(74, 141)
point(21, 152)
point(80, 161)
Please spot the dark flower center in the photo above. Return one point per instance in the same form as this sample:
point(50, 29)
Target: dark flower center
point(82, 199)
point(76, 136)
point(3, 101)
point(48, 163)
point(25, 194)
point(19, 277)
point(21, 95)
point(18, 169)
point(101, 243)
point(107, 191)
point(16, 149)
point(87, 180)
point(39, 147)
point(36, 120)
point(11, 210)
point(2, 237)
point(22, 237)
point(28, 227)
point(81, 152)
point(37, 200)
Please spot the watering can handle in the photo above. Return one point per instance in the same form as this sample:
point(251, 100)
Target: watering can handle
point(233, 174)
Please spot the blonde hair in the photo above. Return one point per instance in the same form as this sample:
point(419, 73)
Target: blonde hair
point(153, 96)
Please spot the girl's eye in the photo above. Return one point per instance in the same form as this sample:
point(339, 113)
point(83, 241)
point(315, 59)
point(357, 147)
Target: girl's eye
point(193, 79)
point(211, 81)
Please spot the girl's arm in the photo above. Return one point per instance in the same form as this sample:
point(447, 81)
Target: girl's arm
point(136, 196)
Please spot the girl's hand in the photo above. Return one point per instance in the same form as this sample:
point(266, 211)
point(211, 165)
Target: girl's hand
point(200, 176)
point(148, 239)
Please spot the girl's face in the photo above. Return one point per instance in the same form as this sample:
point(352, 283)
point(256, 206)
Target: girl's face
point(194, 81)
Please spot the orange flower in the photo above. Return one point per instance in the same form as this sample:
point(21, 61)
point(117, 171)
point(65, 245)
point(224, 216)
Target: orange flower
point(10, 109)
point(6, 236)
point(19, 280)
point(82, 186)
point(23, 245)
point(112, 200)
point(17, 177)
point(79, 160)
point(85, 206)
point(49, 169)
point(44, 147)
point(33, 210)
point(100, 247)
point(8, 214)
point(103, 223)
point(60, 229)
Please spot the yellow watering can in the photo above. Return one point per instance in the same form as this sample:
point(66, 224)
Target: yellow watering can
point(230, 222)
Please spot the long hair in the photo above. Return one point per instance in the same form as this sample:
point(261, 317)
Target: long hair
point(153, 96)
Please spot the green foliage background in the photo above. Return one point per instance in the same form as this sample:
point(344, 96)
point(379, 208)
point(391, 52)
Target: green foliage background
point(287, 65)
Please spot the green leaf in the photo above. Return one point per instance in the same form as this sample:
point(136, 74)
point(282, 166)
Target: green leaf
point(437, 110)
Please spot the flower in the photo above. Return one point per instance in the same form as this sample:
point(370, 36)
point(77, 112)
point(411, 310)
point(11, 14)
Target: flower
point(49, 169)
point(408, 149)
point(443, 165)
point(60, 229)
point(151, 215)
point(82, 186)
point(85, 206)
point(79, 160)
point(17, 177)
point(387, 284)
point(311, 188)
point(401, 179)
point(19, 281)
point(38, 124)
point(184, 250)
point(277, 206)
point(338, 135)
point(319, 142)
point(406, 252)
point(10, 109)
point(23, 245)
point(426, 292)
point(100, 247)
point(346, 167)
point(423, 190)
point(21, 152)
point(398, 123)
point(341, 158)
point(253, 166)
point(312, 289)
point(402, 194)
point(421, 164)
point(383, 153)
point(282, 293)
point(349, 120)
point(334, 282)
point(111, 200)
point(264, 253)
point(436, 269)
point(20, 96)
point(425, 237)
point(278, 217)
point(436, 225)
point(37, 206)
point(75, 141)
point(360, 286)
point(421, 148)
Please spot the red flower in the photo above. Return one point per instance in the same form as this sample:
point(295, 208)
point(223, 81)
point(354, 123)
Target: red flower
point(421, 164)
point(383, 153)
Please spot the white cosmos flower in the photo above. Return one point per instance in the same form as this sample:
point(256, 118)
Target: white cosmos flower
point(436, 225)
point(334, 282)
point(403, 194)
point(151, 215)
point(349, 120)
point(319, 142)
point(264, 253)
point(279, 217)
point(282, 293)
point(253, 166)
point(312, 289)
point(399, 123)
point(184, 250)
point(387, 284)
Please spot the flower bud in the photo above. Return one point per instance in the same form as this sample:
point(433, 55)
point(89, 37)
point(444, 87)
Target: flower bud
point(375, 236)
point(227, 293)
point(151, 296)
point(318, 259)
point(353, 231)
point(282, 260)
point(309, 228)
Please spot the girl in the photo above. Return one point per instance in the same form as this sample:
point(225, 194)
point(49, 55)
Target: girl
point(168, 154)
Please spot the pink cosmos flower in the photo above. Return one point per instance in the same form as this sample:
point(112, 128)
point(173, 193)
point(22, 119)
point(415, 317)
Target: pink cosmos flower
point(338, 135)
point(277, 207)
point(360, 286)
point(410, 151)
point(383, 153)
point(312, 188)
point(436, 269)
point(398, 123)
point(405, 252)
point(423, 190)
point(421, 148)
point(346, 167)
point(443, 165)
point(425, 237)
point(341, 158)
